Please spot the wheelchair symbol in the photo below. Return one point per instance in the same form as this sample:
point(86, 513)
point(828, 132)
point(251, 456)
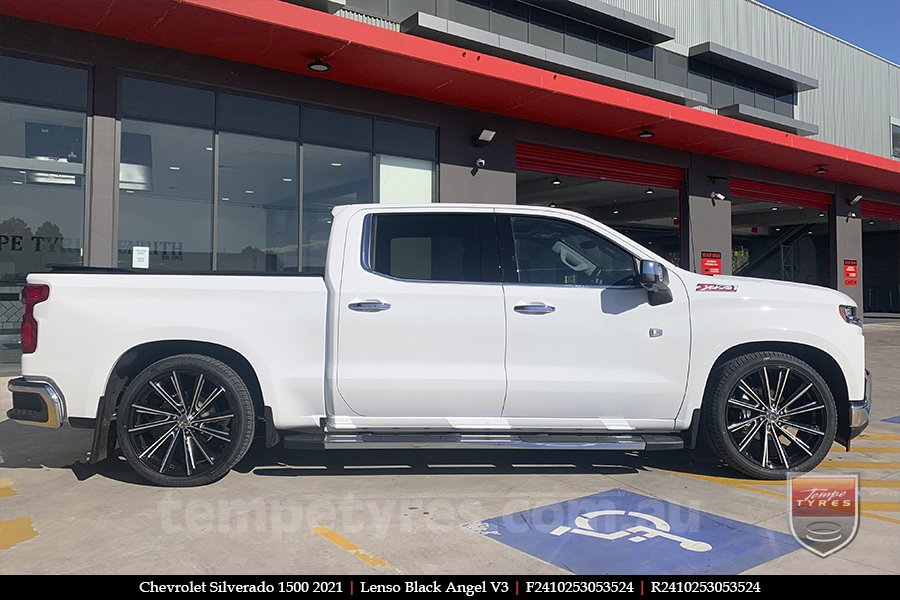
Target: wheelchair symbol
point(636, 534)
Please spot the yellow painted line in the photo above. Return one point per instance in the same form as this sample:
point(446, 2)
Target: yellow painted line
point(6, 488)
point(865, 450)
point(839, 464)
point(880, 483)
point(881, 506)
point(356, 551)
point(878, 436)
point(15, 532)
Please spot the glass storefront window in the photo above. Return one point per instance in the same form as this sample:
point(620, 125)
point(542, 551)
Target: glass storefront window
point(331, 176)
point(258, 204)
point(405, 180)
point(165, 199)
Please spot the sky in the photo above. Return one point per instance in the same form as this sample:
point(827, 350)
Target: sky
point(873, 25)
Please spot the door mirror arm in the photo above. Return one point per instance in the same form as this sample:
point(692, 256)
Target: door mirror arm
point(654, 278)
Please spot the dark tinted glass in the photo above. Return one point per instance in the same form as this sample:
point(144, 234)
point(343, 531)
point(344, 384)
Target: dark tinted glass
point(581, 40)
point(43, 83)
point(744, 91)
point(895, 140)
point(671, 67)
point(375, 7)
point(336, 129)
point(722, 88)
point(154, 100)
point(640, 58)
point(399, 10)
point(546, 29)
point(612, 49)
point(436, 247)
point(699, 76)
point(405, 140)
point(557, 252)
point(510, 19)
point(784, 102)
point(765, 97)
point(264, 117)
point(475, 13)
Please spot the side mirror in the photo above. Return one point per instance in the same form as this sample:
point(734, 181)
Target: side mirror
point(654, 278)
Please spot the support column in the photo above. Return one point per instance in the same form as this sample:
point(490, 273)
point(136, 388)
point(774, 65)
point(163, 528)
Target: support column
point(461, 180)
point(845, 237)
point(706, 221)
point(102, 193)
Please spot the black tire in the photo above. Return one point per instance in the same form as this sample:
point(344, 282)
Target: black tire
point(768, 430)
point(176, 433)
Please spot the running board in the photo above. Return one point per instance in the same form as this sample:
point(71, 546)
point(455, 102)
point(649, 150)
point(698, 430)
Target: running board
point(464, 441)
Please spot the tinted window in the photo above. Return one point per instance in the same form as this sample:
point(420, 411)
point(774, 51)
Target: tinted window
point(43, 83)
point(405, 140)
point(895, 140)
point(557, 252)
point(336, 129)
point(154, 100)
point(263, 117)
point(436, 247)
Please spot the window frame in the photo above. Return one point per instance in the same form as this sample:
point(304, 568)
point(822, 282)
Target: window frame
point(367, 250)
point(895, 123)
point(509, 262)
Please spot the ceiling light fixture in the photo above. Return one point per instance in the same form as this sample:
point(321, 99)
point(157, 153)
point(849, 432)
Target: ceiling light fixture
point(174, 168)
point(821, 169)
point(615, 211)
point(871, 222)
point(778, 229)
point(249, 192)
point(17, 183)
point(556, 181)
point(209, 148)
point(552, 206)
point(287, 179)
point(774, 208)
point(649, 190)
point(337, 164)
point(129, 191)
point(646, 134)
point(319, 66)
point(821, 214)
point(225, 198)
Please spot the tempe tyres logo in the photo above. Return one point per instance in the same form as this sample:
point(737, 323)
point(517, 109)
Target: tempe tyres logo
point(824, 512)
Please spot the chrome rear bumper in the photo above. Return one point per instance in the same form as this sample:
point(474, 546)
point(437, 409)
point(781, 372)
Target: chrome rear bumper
point(37, 402)
point(860, 409)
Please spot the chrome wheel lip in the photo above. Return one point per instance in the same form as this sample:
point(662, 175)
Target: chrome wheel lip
point(182, 432)
point(776, 417)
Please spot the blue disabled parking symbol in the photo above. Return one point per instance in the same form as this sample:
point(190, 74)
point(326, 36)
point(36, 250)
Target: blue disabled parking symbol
point(620, 532)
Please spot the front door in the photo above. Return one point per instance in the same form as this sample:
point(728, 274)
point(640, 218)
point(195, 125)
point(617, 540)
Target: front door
point(421, 329)
point(582, 340)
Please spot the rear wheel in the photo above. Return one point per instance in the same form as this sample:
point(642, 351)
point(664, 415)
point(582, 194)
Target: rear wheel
point(185, 421)
point(770, 414)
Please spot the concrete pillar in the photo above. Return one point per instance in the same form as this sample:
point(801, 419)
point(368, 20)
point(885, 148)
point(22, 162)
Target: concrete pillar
point(845, 240)
point(460, 179)
point(706, 222)
point(102, 200)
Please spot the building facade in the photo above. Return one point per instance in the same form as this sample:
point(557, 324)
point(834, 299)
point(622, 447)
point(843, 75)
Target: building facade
point(217, 135)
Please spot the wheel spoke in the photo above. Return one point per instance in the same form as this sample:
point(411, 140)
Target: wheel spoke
point(178, 393)
point(165, 395)
point(741, 424)
point(780, 447)
point(210, 399)
point(749, 436)
point(805, 428)
point(155, 445)
point(749, 391)
point(168, 455)
point(795, 439)
point(188, 455)
point(197, 389)
point(779, 388)
point(737, 402)
point(212, 419)
point(151, 425)
point(765, 456)
point(797, 396)
point(765, 373)
point(219, 435)
point(803, 409)
point(202, 449)
point(152, 411)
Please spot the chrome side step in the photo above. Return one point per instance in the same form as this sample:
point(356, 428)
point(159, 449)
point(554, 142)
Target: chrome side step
point(470, 441)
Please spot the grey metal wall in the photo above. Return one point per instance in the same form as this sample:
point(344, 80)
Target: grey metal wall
point(858, 92)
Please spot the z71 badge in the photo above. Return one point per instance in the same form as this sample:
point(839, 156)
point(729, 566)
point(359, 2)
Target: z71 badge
point(716, 287)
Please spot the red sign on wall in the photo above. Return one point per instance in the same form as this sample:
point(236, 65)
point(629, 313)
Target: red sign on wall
point(711, 263)
point(851, 273)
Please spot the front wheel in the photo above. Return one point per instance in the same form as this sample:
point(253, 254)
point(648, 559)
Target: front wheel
point(770, 414)
point(185, 421)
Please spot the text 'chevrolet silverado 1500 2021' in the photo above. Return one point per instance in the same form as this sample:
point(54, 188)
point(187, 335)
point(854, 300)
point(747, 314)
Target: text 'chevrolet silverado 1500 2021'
point(445, 326)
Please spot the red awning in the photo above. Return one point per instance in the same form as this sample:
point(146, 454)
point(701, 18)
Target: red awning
point(279, 35)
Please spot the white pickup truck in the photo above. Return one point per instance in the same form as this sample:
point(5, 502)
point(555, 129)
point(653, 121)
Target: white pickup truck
point(444, 326)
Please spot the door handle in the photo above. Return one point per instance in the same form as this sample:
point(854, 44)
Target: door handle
point(537, 308)
point(369, 306)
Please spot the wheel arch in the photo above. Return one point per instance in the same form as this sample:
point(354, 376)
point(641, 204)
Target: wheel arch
point(821, 361)
point(138, 358)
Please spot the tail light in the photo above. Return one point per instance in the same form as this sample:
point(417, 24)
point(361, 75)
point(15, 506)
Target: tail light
point(31, 295)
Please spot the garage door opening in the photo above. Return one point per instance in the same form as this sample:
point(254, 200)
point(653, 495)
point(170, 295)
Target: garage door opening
point(881, 258)
point(642, 201)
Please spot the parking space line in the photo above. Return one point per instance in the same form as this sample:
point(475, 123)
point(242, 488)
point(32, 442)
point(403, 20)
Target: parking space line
point(879, 436)
point(865, 450)
point(6, 488)
point(838, 464)
point(881, 506)
point(354, 550)
point(16, 531)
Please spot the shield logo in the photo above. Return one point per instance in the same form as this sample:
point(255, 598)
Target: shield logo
point(824, 511)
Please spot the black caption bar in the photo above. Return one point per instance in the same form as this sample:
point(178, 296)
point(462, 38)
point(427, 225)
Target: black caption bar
point(468, 586)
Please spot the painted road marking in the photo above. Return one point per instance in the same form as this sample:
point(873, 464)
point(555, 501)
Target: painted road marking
point(16, 531)
point(892, 420)
point(840, 464)
point(354, 550)
point(6, 488)
point(867, 450)
point(878, 436)
point(622, 532)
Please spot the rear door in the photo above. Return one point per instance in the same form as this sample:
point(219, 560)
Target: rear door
point(421, 326)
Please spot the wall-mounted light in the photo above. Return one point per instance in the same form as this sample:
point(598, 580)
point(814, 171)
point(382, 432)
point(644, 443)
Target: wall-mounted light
point(484, 138)
point(646, 134)
point(855, 200)
point(715, 196)
point(821, 214)
point(552, 206)
point(615, 211)
point(649, 190)
point(555, 181)
point(821, 170)
point(319, 66)
point(774, 208)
